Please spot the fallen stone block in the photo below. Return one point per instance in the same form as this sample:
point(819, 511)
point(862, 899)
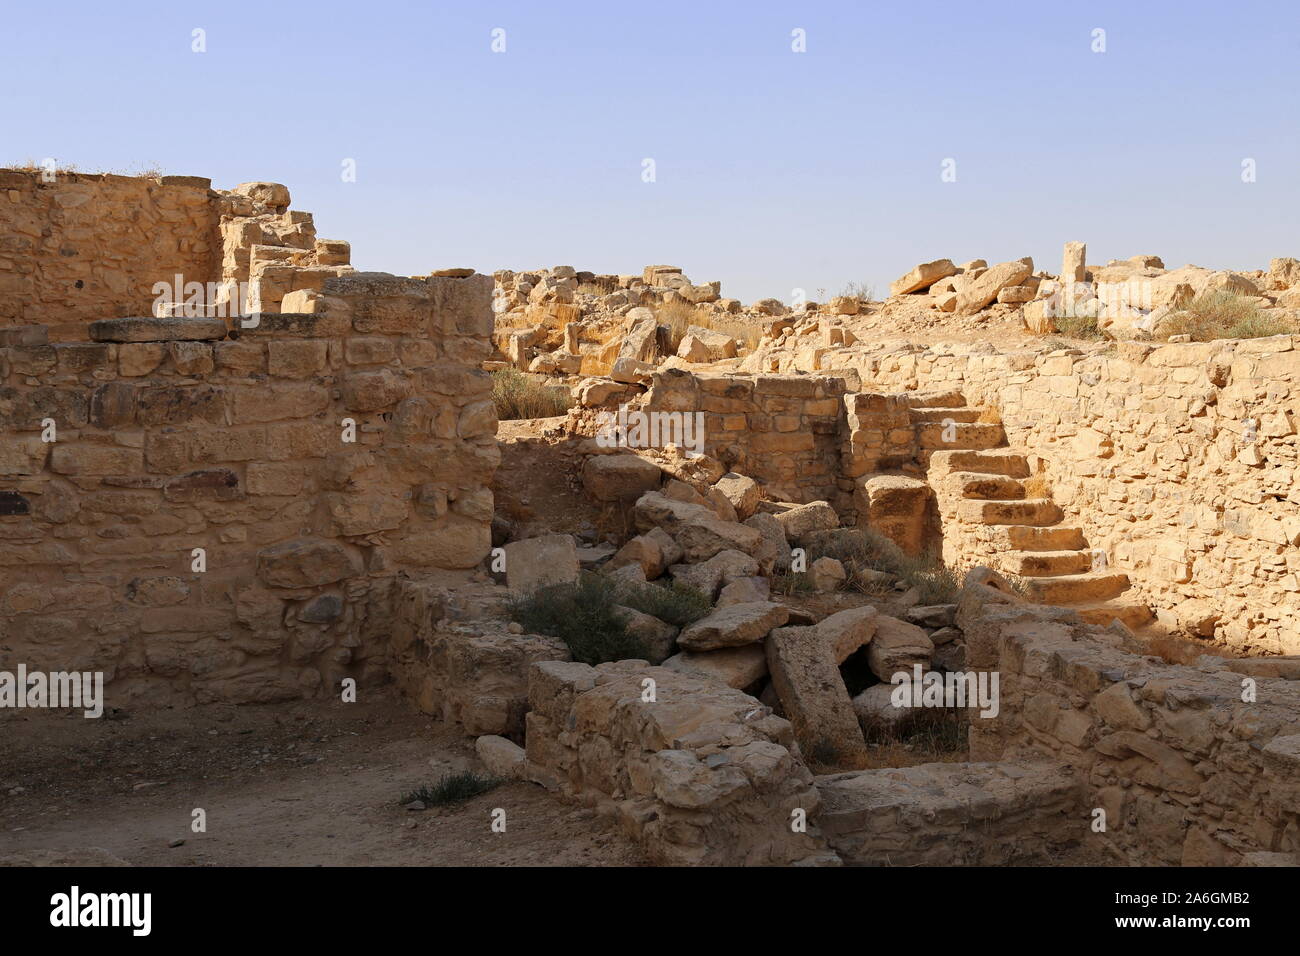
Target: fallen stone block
point(983, 289)
point(503, 758)
point(745, 591)
point(541, 562)
point(654, 551)
point(922, 276)
point(737, 667)
point(826, 575)
point(802, 520)
point(625, 477)
point(733, 625)
point(807, 680)
point(896, 647)
point(848, 631)
point(708, 576)
point(742, 491)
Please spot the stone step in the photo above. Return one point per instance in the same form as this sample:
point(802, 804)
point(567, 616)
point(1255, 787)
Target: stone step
point(948, 399)
point(999, 487)
point(1029, 538)
point(945, 414)
point(1071, 589)
point(1046, 564)
point(994, 461)
point(1034, 511)
point(1132, 614)
point(979, 435)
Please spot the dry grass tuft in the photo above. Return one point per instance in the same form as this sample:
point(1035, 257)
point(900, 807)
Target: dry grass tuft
point(521, 396)
point(679, 316)
point(1037, 486)
point(1224, 315)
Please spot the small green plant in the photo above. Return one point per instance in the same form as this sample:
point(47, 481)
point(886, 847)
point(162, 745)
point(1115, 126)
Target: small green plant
point(585, 616)
point(453, 788)
point(1224, 315)
point(677, 604)
point(517, 395)
point(791, 583)
point(936, 583)
point(867, 549)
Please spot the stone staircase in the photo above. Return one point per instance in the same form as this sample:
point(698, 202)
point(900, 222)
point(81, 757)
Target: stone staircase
point(979, 483)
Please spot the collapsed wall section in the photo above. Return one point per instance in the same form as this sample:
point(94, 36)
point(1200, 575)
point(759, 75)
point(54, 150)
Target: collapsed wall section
point(697, 772)
point(76, 247)
point(783, 431)
point(213, 515)
point(85, 246)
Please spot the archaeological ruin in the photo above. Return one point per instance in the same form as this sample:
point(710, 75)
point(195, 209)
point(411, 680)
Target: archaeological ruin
point(1003, 568)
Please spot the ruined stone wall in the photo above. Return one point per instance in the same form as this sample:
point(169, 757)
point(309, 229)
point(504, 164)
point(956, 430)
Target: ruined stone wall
point(953, 814)
point(785, 432)
point(698, 773)
point(84, 247)
point(87, 247)
point(169, 435)
point(1178, 460)
point(1187, 771)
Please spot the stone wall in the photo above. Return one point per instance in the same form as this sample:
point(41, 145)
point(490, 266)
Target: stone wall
point(454, 655)
point(699, 773)
point(784, 431)
point(1186, 770)
point(92, 246)
point(1179, 461)
point(122, 455)
point(84, 247)
point(953, 814)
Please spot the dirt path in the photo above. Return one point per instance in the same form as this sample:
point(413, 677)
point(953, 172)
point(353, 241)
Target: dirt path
point(306, 784)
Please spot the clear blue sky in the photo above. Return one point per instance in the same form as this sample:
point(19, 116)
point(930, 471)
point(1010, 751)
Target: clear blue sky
point(775, 170)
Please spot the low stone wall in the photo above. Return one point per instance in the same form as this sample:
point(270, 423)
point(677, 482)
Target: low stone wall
point(1186, 770)
point(953, 814)
point(309, 460)
point(472, 671)
point(1178, 460)
point(697, 772)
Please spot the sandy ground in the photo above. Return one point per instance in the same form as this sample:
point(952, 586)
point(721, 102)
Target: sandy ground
point(304, 784)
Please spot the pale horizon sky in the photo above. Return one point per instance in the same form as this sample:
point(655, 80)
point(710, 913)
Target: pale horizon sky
point(775, 170)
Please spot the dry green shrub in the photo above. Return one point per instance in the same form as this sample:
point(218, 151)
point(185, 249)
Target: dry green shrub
point(518, 395)
point(1037, 486)
point(1078, 326)
point(1220, 314)
point(864, 292)
point(926, 735)
point(453, 788)
point(584, 615)
point(678, 316)
point(866, 548)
